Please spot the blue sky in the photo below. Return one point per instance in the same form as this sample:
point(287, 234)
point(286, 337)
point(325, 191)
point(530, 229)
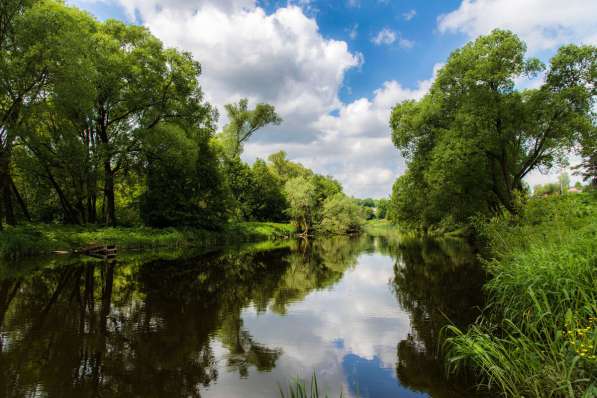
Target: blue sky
point(384, 62)
point(334, 69)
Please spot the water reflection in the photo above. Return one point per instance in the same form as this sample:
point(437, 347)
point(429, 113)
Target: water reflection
point(238, 322)
point(436, 281)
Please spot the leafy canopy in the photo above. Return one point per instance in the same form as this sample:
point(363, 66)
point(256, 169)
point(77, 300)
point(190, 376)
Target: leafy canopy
point(473, 138)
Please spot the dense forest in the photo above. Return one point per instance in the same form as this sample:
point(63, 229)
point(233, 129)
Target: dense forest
point(102, 125)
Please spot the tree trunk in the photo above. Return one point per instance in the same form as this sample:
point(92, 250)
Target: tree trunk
point(8, 209)
point(5, 188)
point(70, 215)
point(20, 200)
point(91, 206)
point(110, 210)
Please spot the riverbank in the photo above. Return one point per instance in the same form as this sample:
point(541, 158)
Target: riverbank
point(538, 335)
point(39, 239)
point(380, 228)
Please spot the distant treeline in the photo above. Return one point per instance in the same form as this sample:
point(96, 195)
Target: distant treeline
point(102, 124)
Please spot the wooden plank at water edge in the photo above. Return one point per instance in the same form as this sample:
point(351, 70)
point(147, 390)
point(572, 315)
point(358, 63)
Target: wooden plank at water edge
point(105, 251)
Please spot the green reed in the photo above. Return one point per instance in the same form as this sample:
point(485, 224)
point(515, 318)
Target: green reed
point(298, 389)
point(538, 335)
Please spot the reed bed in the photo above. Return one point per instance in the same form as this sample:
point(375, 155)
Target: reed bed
point(538, 335)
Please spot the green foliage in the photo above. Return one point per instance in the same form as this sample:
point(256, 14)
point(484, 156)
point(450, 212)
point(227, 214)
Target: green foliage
point(19, 242)
point(99, 95)
point(239, 179)
point(538, 336)
point(243, 123)
point(374, 208)
point(285, 169)
point(38, 43)
point(299, 389)
point(257, 193)
point(474, 137)
point(301, 194)
point(381, 210)
point(306, 195)
point(184, 187)
point(551, 188)
point(341, 215)
point(271, 203)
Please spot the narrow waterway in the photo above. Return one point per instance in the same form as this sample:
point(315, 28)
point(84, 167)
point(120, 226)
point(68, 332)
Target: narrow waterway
point(363, 314)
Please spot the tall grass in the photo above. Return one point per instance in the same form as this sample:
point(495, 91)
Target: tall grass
point(538, 336)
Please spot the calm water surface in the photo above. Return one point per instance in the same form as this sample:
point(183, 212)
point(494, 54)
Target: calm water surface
point(363, 314)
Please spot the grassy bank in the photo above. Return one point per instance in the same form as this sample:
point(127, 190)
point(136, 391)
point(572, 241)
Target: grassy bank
point(538, 336)
point(32, 240)
point(381, 228)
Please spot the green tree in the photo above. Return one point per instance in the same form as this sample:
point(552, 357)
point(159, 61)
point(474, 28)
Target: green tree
point(286, 169)
point(60, 147)
point(243, 123)
point(184, 186)
point(588, 152)
point(37, 46)
point(85, 126)
point(341, 215)
point(588, 166)
point(301, 194)
point(551, 188)
point(473, 138)
point(132, 100)
point(574, 71)
point(270, 203)
point(241, 186)
point(381, 210)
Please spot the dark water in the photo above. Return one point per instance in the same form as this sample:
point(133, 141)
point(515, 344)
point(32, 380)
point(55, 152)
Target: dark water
point(363, 314)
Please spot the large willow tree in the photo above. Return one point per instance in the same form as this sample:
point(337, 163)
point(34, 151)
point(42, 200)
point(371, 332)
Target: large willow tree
point(470, 142)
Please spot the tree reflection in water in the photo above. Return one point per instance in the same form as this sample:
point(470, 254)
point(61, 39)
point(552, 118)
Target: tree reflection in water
point(170, 327)
point(147, 329)
point(437, 282)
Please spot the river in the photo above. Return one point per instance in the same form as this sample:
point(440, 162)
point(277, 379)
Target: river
point(363, 314)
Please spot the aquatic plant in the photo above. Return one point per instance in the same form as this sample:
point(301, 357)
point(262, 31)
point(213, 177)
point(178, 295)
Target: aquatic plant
point(299, 389)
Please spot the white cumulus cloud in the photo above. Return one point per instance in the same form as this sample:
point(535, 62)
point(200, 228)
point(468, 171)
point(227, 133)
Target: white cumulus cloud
point(543, 24)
